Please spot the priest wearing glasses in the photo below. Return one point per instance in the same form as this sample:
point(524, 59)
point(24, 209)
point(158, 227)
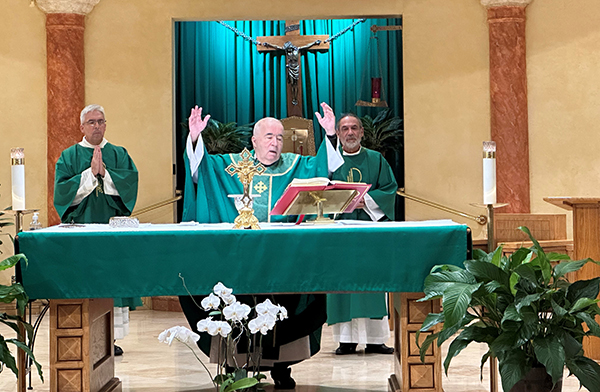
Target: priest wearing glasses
point(94, 181)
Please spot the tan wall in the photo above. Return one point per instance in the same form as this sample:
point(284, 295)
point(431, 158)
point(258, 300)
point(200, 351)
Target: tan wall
point(563, 54)
point(22, 105)
point(446, 105)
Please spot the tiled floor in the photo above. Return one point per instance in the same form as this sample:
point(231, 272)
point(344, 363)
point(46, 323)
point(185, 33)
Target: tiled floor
point(150, 366)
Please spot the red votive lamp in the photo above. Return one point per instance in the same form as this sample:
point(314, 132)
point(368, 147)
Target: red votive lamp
point(375, 90)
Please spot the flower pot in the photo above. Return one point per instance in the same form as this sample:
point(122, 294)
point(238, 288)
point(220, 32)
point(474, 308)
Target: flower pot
point(537, 380)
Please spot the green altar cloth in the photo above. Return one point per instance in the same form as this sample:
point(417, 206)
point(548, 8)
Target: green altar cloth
point(280, 258)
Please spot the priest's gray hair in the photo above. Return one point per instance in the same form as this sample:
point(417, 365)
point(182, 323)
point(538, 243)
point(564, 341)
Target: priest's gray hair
point(90, 108)
point(260, 124)
point(349, 114)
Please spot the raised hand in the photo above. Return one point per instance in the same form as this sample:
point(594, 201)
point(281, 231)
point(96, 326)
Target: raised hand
point(328, 119)
point(196, 123)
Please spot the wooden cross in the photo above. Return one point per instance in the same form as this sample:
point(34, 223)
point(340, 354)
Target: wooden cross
point(293, 43)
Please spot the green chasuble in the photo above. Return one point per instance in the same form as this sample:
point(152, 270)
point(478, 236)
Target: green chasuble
point(207, 202)
point(97, 207)
point(370, 167)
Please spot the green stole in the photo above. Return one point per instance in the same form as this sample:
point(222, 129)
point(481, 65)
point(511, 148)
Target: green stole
point(371, 167)
point(97, 207)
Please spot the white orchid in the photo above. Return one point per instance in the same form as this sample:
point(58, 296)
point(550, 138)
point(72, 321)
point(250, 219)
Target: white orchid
point(219, 328)
point(211, 302)
point(283, 314)
point(221, 290)
point(263, 323)
point(202, 325)
point(229, 299)
point(236, 312)
point(183, 334)
point(267, 307)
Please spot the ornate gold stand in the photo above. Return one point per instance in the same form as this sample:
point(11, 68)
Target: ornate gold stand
point(319, 203)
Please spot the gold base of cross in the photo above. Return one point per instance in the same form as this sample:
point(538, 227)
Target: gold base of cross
point(246, 220)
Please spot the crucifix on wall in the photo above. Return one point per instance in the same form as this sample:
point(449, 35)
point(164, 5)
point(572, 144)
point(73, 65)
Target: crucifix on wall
point(292, 43)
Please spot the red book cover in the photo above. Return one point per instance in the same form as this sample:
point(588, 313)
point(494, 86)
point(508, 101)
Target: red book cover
point(318, 184)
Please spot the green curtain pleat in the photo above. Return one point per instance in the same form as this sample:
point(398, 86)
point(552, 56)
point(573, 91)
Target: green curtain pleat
point(226, 75)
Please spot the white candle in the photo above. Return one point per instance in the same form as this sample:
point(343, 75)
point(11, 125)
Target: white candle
point(489, 172)
point(17, 156)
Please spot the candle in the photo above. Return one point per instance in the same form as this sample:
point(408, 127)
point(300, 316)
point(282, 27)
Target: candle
point(17, 159)
point(489, 172)
point(375, 90)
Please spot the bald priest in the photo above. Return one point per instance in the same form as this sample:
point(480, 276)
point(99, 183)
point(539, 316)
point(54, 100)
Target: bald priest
point(206, 200)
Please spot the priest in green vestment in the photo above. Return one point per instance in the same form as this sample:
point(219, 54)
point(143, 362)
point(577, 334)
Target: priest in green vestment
point(206, 200)
point(94, 181)
point(362, 318)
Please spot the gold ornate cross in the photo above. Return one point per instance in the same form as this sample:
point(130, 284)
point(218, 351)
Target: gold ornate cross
point(245, 170)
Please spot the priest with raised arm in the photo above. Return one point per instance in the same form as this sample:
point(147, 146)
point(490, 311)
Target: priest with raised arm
point(362, 318)
point(206, 201)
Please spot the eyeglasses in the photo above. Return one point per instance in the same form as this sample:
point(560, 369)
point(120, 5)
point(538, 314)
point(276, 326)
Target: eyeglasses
point(91, 123)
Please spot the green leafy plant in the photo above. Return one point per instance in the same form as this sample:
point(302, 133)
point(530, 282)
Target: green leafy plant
point(9, 294)
point(383, 133)
point(224, 138)
point(524, 309)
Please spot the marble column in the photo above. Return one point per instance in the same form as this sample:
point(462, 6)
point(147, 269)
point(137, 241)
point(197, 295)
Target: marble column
point(508, 93)
point(65, 23)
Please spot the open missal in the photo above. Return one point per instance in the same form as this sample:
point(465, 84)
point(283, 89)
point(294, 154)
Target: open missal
point(303, 195)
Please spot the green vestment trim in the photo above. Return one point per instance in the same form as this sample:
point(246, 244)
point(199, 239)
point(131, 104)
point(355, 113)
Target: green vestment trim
point(97, 207)
point(370, 167)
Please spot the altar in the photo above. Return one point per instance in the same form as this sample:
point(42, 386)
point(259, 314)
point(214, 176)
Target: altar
point(79, 266)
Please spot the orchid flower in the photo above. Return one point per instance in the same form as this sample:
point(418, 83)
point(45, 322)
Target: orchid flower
point(221, 290)
point(263, 323)
point(202, 325)
point(183, 334)
point(211, 302)
point(236, 312)
point(219, 328)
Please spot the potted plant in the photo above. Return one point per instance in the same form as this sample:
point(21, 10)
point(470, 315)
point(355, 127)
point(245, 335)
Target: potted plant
point(526, 311)
point(383, 133)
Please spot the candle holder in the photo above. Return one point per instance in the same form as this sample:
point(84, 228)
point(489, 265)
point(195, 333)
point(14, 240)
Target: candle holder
point(375, 90)
point(17, 160)
point(489, 172)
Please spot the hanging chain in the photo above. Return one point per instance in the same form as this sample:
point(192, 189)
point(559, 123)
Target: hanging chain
point(240, 33)
point(256, 42)
point(351, 27)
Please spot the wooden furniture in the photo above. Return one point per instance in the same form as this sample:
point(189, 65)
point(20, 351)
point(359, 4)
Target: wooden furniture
point(410, 374)
point(542, 226)
point(586, 243)
point(81, 346)
point(298, 136)
point(365, 257)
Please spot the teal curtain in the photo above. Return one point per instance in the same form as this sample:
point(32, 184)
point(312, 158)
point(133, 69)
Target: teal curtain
point(224, 73)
